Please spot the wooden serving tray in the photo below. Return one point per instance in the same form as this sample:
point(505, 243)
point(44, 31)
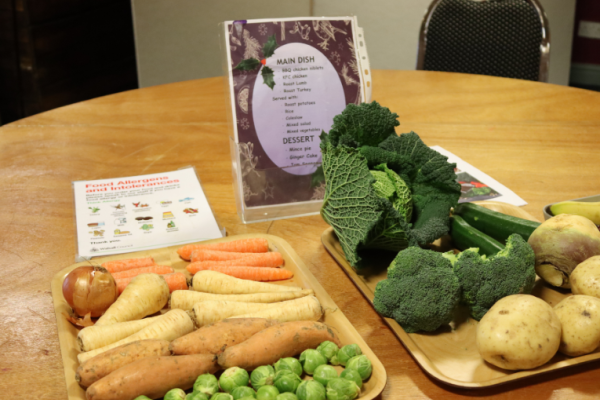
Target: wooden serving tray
point(448, 355)
point(67, 333)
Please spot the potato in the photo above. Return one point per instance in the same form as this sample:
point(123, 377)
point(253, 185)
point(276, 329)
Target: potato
point(580, 319)
point(585, 278)
point(520, 331)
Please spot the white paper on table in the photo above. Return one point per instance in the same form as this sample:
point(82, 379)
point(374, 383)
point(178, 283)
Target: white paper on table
point(123, 215)
point(471, 178)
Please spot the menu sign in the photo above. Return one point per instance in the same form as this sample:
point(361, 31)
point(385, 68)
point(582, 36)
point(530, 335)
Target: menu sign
point(288, 78)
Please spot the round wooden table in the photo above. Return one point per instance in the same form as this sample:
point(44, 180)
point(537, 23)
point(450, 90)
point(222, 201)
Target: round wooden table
point(540, 140)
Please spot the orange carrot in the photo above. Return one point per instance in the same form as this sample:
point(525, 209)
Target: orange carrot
point(175, 280)
point(272, 259)
point(130, 263)
point(253, 245)
point(154, 269)
point(262, 274)
point(215, 255)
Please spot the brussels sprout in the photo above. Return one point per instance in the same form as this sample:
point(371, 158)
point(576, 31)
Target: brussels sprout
point(232, 378)
point(342, 389)
point(311, 359)
point(243, 391)
point(221, 396)
point(262, 376)
point(328, 349)
point(347, 352)
point(196, 396)
point(247, 398)
point(267, 392)
point(207, 384)
point(323, 373)
point(142, 397)
point(352, 375)
point(361, 364)
point(289, 363)
point(175, 394)
point(286, 396)
point(286, 381)
point(334, 360)
point(310, 390)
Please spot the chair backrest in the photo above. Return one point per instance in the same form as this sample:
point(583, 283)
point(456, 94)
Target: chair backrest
point(507, 38)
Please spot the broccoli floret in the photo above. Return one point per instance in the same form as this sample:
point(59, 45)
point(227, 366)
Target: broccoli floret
point(421, 290)
point(485, 280)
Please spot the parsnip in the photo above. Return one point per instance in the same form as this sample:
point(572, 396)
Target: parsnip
point(207, 312)
point(185, 299)
point(216, 282)
point(94, 337)
point(172, 325)
point(304, 309)
point(146, 294)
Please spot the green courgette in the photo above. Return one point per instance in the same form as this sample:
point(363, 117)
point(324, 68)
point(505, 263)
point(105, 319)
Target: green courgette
point(495, 224)
point(465, 236)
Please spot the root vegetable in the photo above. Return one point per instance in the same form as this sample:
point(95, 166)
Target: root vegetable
point(146, 294)
point(304, 309)
point(585, 278)
point(130, 263)
point(282, 340)
point(215, 338)
point(153, 269)
point(253, 245)
point(218, 283)
point(270, 259)
point(259, 274)
point(152, 377)
point(175, 280)
point(89, 290)
point(208, 312)
point(172, 325)
point(94, 337)
point(185, 299)
point(103, 364)
point(579, 316)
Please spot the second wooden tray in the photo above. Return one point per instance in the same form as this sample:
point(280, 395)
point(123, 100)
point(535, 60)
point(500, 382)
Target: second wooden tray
point(451, 356)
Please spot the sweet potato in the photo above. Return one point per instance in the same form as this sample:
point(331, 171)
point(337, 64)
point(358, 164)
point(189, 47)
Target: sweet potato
point(278, 341)
point(152, 377)
point(215, 338)
point(103, 364)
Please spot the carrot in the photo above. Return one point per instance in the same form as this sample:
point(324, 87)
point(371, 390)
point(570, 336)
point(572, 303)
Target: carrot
point(94, 337)
point(175, 280)
point(152, 377)
point(215, 338)
point(174, 324)
point(260, 274)
point(219, 283)
point(185, 299)
point(304, 309)
point(103, 364)
point(131, 263)
point(278, 341)
point(145, 295)
point(252, 245)
point(250, 261)
point(270, 259)
point(153, 269)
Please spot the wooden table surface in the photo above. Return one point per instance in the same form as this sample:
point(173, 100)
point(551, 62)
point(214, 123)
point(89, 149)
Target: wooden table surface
point(540, 140)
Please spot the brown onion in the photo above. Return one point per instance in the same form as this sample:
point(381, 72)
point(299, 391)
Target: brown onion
point(90, 290)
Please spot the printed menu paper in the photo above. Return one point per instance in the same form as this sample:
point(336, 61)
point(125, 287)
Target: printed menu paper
point(288, 78)
point(123, 215)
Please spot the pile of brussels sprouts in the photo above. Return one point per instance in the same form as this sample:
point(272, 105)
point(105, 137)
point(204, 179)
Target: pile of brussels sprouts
point(283, 380)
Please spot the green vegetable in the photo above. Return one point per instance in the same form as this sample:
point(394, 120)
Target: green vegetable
point(289, 363)
point(233, 377)
point(142, 397)
point(421, 291)
point(464, 236)
point(207, 384)
point(323, 373)
point(388, 185)
point(362, 139)
point(247, 398)
point(243, 391)
point(311, 359)
point(495, 224)
point(361, 364)
point(221, 396)
point(328, 349)
point(352, 375)
point(175, 394)
point(485, 280)
point(286, 381)
point(286, 396)
point(342, 389)
point(310, 390)
point(267, 392)
point(347, 352)
point(263, 375)
point(196, 396)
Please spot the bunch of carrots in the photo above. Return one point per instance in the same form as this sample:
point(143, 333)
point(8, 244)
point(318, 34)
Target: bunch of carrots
point(123, 271)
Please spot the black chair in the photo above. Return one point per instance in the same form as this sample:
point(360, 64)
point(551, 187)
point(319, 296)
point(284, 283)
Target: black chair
point(507, 38)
